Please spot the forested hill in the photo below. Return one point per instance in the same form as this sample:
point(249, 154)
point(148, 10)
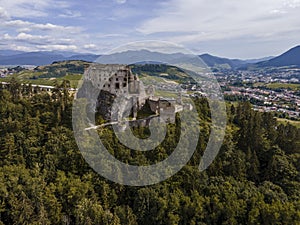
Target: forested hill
point(44, 179)
point(73, 70)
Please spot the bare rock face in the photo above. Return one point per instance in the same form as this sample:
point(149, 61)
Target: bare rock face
point(104, 104)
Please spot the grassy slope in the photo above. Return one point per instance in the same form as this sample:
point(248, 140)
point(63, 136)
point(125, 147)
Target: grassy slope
point(41, 76)
point(285, 86)
point(286, 121)
point(279, 86)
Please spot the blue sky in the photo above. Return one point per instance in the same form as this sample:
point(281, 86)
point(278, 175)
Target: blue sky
point(229, 28)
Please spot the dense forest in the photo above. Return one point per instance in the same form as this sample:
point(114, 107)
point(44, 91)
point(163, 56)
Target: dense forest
point(45, 180)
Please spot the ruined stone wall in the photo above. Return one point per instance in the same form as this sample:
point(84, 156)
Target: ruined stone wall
point(115, 81)
point(118, 82)
point(154, 105)
point(168, 114)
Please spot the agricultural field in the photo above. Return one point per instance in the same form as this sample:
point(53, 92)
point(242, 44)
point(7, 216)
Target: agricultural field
point(275, 86)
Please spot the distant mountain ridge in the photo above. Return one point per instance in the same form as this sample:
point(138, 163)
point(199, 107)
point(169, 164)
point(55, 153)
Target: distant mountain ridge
point(130, 56)
point(259, 60)
point(8, 57)
point(10, 52)
point(12, 57)
point(214, 61)
point(289, 58)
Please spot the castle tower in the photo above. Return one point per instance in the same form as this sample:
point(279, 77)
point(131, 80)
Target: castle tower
point(179, 98)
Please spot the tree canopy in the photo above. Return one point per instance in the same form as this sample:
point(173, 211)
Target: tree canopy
point(45, 180)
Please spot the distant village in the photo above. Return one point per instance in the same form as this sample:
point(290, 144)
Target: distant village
point(270, 90)
point(6, 71)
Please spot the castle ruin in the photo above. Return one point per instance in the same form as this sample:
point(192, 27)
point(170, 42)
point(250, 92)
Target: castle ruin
point(117, 81)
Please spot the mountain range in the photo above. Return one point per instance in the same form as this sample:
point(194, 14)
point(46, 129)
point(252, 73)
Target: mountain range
point(8, 57)
point(289, 58)
point(11, 57)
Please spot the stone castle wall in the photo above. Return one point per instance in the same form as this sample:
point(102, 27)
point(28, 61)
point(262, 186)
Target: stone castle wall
point(117, 81)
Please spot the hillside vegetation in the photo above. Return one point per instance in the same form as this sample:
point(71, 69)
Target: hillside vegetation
point(45, 180)
point(53, 74)
point(73, 71)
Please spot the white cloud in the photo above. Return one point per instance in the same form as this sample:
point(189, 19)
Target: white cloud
point(50, 47)
point(17, 23)
point(36, 39)
point(101, 35)
point(89, 46)
point(292, 3)
point(121, 1)
point(25, 37)
point(19, 29)
point(29, 9)
point(43, 48)
point(193, 23)
point(23, 29)
point(57, 47)
point(3, 14)
point(70, 14)
point(49, 26)
point(23, 8)
point(201, 20)
point(21, 48)
point(21, 24)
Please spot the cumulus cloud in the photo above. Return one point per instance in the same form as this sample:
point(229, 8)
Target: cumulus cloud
point(22, 48)
point(50, 47)
point(21, 32)
point(25, 37)
point(57, 47)
point(36, 39)
point(21, 24)
point(89, 46)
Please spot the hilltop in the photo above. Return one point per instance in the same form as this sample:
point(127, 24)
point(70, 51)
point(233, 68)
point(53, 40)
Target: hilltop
point(53, 73)
point(289, 58)
point(73, 70)
point(217, 62)
point(8, 57)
